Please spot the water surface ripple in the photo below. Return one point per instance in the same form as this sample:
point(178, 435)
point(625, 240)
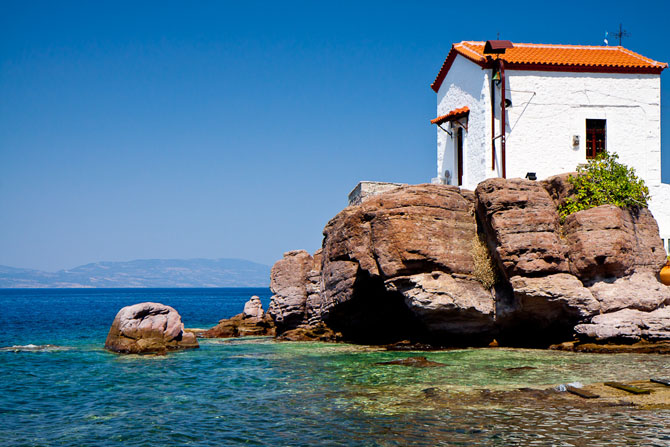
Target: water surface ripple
point(258, 392)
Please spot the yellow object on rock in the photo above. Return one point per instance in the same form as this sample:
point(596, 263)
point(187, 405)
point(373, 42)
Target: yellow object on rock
point(665, 274)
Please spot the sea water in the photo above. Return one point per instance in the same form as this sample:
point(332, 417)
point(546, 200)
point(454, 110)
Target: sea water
point(58, 386)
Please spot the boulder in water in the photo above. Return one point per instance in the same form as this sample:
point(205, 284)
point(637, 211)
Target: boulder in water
point(146, 328)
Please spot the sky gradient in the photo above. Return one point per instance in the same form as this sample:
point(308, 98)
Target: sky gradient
point(236, 129)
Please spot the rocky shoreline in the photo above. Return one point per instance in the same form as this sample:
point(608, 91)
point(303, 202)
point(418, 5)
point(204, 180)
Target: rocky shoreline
point(435, 267)
point(442, 266)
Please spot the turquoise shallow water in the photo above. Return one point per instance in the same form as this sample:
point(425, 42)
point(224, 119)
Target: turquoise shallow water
point(254, 391)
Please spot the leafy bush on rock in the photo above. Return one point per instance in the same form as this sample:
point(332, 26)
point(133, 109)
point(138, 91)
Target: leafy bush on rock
point(602, 181)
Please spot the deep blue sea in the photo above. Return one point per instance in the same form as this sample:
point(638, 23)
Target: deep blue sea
point(255, 391)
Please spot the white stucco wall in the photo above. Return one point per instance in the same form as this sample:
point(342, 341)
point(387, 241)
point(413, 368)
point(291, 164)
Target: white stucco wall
point(466, 84)
point(548, 108)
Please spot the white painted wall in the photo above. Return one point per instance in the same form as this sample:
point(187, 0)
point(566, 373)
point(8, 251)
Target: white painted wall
point(466, 84)
point(548, 109)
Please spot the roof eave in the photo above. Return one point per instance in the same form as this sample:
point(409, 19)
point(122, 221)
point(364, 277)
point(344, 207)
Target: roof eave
point(452, 115)
point(467, 52)
point(453, 52)
point(584, 68)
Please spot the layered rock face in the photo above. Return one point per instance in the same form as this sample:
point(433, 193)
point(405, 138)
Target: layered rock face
point(521, 223)
point(293, 280)
point(599, 260)
point(401, 265)
point(394, 267)
point(148, 328)
point(628, 325)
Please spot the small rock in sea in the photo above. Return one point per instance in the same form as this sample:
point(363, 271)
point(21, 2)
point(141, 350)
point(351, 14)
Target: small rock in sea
point(564, 387)
point(319, 332)
point(253, 308)
point(434, 393)
point(148, 328)
point(417, 362)
point(520, 368)
point(252, 322)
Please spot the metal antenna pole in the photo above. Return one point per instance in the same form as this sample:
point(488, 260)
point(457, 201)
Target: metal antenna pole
point(621, 34)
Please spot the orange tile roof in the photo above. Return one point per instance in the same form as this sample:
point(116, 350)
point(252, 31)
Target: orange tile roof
point(453, 115)
point(541, 57)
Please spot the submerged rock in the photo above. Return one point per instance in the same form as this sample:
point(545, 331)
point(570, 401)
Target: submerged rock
point(601, 347)
point(416, 362)
point(520, 368)
point(35, 348)
point(148, 328)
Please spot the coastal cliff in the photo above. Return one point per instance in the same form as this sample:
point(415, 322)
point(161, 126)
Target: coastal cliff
point(446, 266)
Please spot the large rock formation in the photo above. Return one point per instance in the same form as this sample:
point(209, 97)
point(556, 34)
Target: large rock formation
point(148, 328)
point(289, 282)
point(599, 260)
point(382, 261)
point(403, 265)
point(521, 223)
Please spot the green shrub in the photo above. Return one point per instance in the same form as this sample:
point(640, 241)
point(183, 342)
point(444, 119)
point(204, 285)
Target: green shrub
point(602, 181)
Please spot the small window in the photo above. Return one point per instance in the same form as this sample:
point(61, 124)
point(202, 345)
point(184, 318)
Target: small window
point(595, 138)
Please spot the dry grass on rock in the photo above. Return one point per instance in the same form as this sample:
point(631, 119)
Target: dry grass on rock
point(484, 269)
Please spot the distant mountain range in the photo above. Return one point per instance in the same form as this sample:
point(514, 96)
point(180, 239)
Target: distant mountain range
point(144, 273)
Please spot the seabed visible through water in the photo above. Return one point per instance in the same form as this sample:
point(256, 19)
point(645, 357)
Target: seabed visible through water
point(256, 391)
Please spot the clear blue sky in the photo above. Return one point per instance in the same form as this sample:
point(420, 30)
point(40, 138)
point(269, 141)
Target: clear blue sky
point(236, 129)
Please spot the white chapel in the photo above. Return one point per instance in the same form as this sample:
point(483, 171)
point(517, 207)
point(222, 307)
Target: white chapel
point(532, 110)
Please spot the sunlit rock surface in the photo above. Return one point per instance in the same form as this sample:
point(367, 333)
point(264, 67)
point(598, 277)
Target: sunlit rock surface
point(253, 321)
point(628, 325)
point(401, 266)
point(148, 328)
